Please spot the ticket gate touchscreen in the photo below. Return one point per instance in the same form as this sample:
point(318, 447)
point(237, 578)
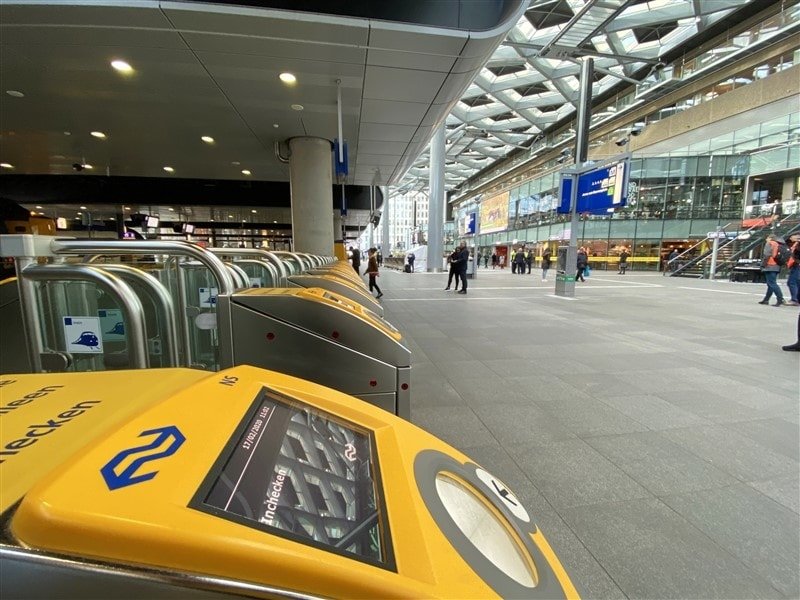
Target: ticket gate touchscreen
point(249, 483)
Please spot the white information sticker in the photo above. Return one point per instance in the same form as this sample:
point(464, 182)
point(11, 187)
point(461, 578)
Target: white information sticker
point(83, 335)
point(208, 297)
point(112, 325)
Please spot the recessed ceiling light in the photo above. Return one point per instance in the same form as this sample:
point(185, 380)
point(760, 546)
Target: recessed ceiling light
point(98, 134)
point(207, 139)
point(67, 133)
point(83, 208)
point(122, 66)
point(79, 213)
point(40, 207)
point(236, 163)
point(275, 125)
point(230, 216)
point(169, 169)
point(15, 94)
point(88, 167)
point(297, 107)
point(254, 211)
point(6, 165)
point(274, 221)
point(211, 219)
point(288, 78)
point(127, 207)
point(171, 209)
point(246, 172)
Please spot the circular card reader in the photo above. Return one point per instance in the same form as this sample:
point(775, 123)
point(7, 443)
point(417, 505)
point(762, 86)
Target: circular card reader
point(491, 530)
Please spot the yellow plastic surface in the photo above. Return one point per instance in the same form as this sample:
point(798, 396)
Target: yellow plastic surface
point(72, 511)
point(46, 418)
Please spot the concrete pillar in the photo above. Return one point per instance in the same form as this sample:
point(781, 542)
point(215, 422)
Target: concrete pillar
point(385, 245)
point(436, 201)
point(312, 195)
point(338, 227)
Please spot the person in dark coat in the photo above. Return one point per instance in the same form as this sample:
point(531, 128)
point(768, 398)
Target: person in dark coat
point(451, 261)
point(372, 271)
point(623, 261)
point(461, 266)
point(547, 258)
point(355, 258)
point(411, 259)
point(529, 260)
point(519, 262)
point(583, 260)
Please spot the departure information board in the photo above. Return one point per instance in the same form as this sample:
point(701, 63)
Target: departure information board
point(295, 471)
point(600, 190)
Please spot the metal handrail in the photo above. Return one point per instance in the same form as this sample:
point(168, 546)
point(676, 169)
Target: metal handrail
point(258, 254)
point(225, 283)
point(162, 300)
point(292, 259)
point(266, 266)
point(239, 276)
point(131, 307)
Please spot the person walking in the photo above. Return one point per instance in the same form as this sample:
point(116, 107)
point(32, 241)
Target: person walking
point(529, 259)
point(451, 261)
point(461, 268)
point(519, 261)
point(355, 258)
point(623, 261)
point(494, 260)
point(771, 268)
point(411, 259)
point(793, 280)
point(583, 261)
point(372, 271)
point(672, 262)
point(546, 260)
point(486, 261)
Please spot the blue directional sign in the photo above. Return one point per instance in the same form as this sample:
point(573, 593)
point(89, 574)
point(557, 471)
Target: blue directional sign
point(168, 438)
point(470, 225)
point(599, 189)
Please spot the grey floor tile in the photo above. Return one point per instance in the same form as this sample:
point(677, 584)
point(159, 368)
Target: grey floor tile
point(571, 473)
point(544, 387)
point(521, 424)
point(459, 370)
point(602, 384)
point(659, 465)
point(784, 490)
point(733, 453)
point(761, 533)
point(709, 405)
point(459, 428)
point(590, 417)
point(651, 552)
point(653, 412)
point(776, 434)
point(435, 393)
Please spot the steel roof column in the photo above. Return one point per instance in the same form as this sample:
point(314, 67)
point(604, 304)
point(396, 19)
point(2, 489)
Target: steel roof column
point(386, 247)
point(436, 200)
point(311, 184)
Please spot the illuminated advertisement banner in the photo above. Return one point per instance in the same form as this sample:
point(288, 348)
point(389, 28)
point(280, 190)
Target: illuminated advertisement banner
point(494, 213)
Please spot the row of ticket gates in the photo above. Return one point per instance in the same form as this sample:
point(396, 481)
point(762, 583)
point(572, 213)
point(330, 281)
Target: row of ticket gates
point(180, 422)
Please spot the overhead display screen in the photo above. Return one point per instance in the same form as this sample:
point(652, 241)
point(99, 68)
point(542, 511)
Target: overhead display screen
point(494, 213)
point(598, 190)
point(295, 471)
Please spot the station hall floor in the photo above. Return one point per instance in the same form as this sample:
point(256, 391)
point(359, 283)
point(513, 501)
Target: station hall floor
point(650, 425)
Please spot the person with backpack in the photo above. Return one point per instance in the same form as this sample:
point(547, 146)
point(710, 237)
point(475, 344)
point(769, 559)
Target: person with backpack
point(793, 280)
point(776, 254)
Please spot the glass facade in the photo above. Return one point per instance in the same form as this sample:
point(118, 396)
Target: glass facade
point(673, 200)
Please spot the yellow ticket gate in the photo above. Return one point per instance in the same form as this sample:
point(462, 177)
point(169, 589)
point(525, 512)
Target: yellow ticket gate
point(176, 483)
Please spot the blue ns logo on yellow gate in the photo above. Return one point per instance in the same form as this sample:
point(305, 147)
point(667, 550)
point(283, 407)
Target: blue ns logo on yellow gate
point(120, 471)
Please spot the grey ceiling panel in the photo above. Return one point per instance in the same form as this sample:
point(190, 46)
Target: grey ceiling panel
point(243, 45)
point(109, 40)
point(410, 60)
point(257, 22)
point(379, 160)
point(396, 113)
point(383, 83)
point(411, 38)
point(381, 132)
point(454, 86)
point(141, 14)
point(468, 64)
point(391, 148)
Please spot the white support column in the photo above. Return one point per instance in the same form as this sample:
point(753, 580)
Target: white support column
point(436, 201)
point(312, 195)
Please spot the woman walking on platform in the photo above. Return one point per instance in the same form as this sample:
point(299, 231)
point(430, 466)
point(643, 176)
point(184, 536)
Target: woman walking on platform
point(372, 271)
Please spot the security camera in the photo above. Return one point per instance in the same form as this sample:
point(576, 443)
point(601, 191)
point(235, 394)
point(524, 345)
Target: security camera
point(77, 167)
point(636, 131)
point(621, 141)
point(659, 66)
